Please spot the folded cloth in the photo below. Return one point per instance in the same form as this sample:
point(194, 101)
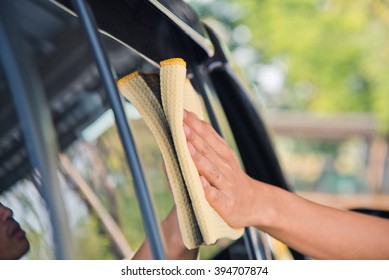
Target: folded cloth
point(161, 100)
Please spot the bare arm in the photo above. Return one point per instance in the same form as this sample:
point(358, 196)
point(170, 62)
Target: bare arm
point(175, 249)
point(315, 230)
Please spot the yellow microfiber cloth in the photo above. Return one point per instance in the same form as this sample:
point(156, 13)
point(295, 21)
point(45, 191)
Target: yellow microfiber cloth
point(161, 99)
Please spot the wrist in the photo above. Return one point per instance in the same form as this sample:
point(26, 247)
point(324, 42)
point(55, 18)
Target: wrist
point(264, 205)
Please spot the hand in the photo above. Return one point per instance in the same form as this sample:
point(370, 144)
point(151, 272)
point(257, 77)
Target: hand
point(175, 248)
point(228, 189)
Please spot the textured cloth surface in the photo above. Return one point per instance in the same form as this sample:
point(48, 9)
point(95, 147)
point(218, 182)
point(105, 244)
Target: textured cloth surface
point(160, 100)
point(137, 88)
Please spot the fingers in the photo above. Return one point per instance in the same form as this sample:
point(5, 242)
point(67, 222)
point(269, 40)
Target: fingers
point(206, 132)
point(206, 167)
point(202, 146)
point(210, 153)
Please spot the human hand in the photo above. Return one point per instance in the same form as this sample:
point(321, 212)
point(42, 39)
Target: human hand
point(228, 189)
point(174, 244)
point(172, 233)
point(175, 248)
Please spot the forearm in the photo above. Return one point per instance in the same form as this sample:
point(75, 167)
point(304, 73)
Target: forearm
point(315, 230)
point(144, 252)
point(173, 252)
point(175, 249)
point(318, 231)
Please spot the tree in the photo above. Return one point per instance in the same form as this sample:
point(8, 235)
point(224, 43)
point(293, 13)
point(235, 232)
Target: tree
point(334, 53)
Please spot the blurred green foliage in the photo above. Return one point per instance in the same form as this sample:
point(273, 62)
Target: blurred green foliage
point(335, 52)
point(93, 244)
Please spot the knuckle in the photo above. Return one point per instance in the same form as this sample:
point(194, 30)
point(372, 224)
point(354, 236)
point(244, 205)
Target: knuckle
point(214, 173)
point(203, 149)
point(229, 153)
point(208, 128)
point(203, 129)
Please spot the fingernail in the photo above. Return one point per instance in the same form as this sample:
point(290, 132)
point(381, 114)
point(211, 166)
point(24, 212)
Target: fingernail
point(191, 149)
point(185, 114)
point(186, 130)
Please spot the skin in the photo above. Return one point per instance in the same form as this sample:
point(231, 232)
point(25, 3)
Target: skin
point(174, 245)
point(13, 241)
point(315, 230)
